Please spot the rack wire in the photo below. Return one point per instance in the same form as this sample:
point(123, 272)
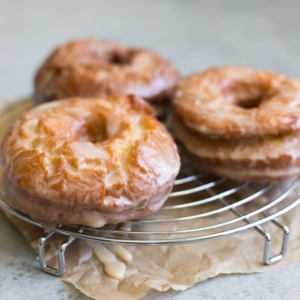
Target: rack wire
point(201, 207)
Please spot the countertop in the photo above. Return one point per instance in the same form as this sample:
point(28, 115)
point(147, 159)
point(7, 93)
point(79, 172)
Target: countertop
point(194, 35)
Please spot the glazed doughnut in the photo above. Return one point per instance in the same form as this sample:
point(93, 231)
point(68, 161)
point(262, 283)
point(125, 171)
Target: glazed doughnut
point(106, 160)
point(240, 123)
point(93, 68)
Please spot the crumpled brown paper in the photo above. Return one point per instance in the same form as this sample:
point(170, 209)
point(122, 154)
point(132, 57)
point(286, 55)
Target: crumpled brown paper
point(163, 267)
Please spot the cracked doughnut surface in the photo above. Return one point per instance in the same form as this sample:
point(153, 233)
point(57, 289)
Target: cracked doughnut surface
point(93, 162)
point(93, 68)
point(240, 123)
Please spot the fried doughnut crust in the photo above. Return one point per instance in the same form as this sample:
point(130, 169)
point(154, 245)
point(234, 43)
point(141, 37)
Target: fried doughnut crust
point(93, 162)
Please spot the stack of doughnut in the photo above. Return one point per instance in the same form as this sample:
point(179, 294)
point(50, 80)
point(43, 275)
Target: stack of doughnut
point(97, 155)
point(240, 123)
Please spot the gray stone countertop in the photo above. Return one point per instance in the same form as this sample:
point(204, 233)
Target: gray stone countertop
point(194, 35)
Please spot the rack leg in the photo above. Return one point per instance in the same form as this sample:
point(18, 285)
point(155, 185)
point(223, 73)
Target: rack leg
point(61, 254)
point(268, 260)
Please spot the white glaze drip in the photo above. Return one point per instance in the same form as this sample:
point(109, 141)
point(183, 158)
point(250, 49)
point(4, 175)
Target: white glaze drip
point(122, 253)
point(31, 127)
point(119, 175)
point(88, 151)
point(112, 266)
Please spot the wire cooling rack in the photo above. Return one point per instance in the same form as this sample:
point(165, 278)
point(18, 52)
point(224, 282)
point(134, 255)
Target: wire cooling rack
point(201, 207)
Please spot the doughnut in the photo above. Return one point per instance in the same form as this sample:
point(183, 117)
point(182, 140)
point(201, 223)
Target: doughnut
point(94, 68)
point(72, 161)
point(240, 123)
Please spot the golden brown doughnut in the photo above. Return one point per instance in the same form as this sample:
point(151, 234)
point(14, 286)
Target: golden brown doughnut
point(240, 123)
point(93, 162)
point(93, 68)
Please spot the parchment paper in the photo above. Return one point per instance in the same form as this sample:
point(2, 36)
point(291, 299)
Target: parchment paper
point(163, 267)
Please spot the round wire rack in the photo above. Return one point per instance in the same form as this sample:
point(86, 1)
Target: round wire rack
point(201, 207)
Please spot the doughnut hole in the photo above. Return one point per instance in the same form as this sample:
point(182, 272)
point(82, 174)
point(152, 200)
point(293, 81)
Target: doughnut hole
point(94, 128)
point(247, 95)
point(98, 129)
point(118, 57)
point(121, 57)
point(95, 132)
